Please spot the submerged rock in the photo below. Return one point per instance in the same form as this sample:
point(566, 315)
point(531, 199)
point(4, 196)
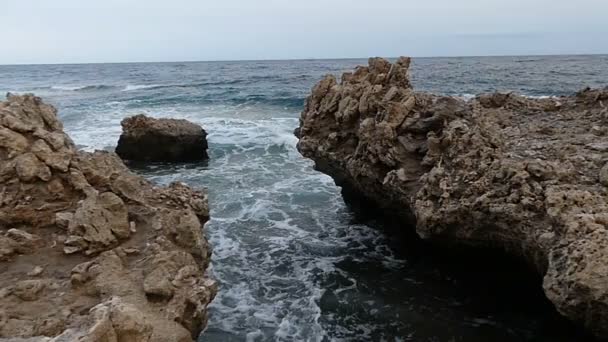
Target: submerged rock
point(501, 171)
point(161, 140)
point(82, 238)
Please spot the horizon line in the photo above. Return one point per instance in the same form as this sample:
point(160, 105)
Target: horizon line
point(303, 59)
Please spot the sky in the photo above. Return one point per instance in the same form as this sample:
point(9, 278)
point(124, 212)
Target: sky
point(89, 31)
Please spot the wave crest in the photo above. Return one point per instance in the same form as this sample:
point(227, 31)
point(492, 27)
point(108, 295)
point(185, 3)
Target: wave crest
point(82, 88)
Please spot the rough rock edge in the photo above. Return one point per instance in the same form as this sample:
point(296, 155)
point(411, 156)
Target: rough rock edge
point(161, 140)
point(524, 175)
point(88, 250)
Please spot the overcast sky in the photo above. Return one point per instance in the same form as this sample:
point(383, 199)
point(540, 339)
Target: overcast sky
point(74, 31)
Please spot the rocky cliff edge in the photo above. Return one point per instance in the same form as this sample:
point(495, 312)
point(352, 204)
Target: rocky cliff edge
point(528, 176)
point(88, 250)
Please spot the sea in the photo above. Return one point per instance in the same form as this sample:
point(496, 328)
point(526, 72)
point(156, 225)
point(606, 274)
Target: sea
point(293, 261)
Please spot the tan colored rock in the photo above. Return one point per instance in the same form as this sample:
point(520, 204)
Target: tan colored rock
point(604, 175)
point(28, 290)
point(36, 271)
point(62, 219)
point(7, 247)
point(29, 168)
point(117, 321)
point(104, 235)
point(524, 175)
point(101, 220)
point(12, 141)
point(24, 242)
point(56, 160)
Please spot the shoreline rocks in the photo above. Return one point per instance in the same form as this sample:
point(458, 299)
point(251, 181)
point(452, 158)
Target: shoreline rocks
point(523, 175)
point(88, 250)
point(161, 140)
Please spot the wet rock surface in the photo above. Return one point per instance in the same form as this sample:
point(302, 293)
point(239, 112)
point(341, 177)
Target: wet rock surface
point(527, 176)
point(161, 140)
point(82, 239)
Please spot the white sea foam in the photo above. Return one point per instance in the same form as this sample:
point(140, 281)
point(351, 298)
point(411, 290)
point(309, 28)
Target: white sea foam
point(67, 87)
point(541, 97)
point(131, 87)
point(466, 97)
point(469, 97)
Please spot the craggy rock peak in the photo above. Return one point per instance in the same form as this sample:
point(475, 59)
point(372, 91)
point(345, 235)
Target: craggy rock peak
point(529, 176)
point(161, 140)
point(88, 250)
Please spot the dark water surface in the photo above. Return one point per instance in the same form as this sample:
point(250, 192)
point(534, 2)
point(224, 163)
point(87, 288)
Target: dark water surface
point(292, 260)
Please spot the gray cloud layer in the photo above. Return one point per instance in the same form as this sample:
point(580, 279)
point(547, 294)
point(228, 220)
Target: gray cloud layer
point(64, 31)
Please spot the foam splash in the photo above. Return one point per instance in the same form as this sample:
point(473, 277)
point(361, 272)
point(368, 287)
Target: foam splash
point(67, 88)
point(132, 87)
point(95, 87)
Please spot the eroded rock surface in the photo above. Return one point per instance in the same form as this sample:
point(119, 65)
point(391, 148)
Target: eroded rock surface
point(525, 175)
point(88, 250)
point(161, 140)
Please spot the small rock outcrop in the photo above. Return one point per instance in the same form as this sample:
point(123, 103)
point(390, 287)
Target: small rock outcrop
point(528, 176)
point(161, 140)
point(88, 250)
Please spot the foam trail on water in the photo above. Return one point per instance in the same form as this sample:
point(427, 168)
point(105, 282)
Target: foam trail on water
point(131, 87)
point(67, 88)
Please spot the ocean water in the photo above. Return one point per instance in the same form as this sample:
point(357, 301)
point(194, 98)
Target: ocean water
point(292, 260)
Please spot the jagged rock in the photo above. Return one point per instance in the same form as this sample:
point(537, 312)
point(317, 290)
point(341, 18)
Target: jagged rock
point(36, 271)
point(29, 167)
point(118, 321)
point(24, 242)
point(7, 247)
point(500, 171)
point(604, 175)
point(63, 219)
point(28, 290)
point(161, 140)
point(75, 213)
point(101, 220)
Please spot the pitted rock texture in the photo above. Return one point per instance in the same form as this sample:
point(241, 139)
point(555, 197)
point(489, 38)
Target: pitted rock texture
point(88, 250)
point(528, 176)
point(161, 140)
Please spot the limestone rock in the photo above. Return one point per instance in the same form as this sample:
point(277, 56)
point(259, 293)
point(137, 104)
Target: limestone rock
point(115, 320)
point(101, 236)
point(101, 221)
point(604, 175)
point(161, 140)
point(36, 271)
point(501, 171)
point(28, 290)
point(30, 168)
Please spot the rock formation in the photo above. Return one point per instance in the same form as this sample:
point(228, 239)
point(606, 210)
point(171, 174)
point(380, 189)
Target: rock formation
point(161, 140)
point(528, 176)
point(88, 250)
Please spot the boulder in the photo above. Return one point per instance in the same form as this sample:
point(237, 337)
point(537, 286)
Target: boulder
point(161, 140)
point(524, 175)
point(90, 251)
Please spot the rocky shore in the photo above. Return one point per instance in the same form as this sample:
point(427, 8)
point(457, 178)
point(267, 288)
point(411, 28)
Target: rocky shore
point(88, 250)
point(527, 176)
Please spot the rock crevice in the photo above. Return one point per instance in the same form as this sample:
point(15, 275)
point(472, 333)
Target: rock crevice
point(505, 171)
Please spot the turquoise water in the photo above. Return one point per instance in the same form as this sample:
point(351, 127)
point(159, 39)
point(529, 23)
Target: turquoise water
point(292, 260)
